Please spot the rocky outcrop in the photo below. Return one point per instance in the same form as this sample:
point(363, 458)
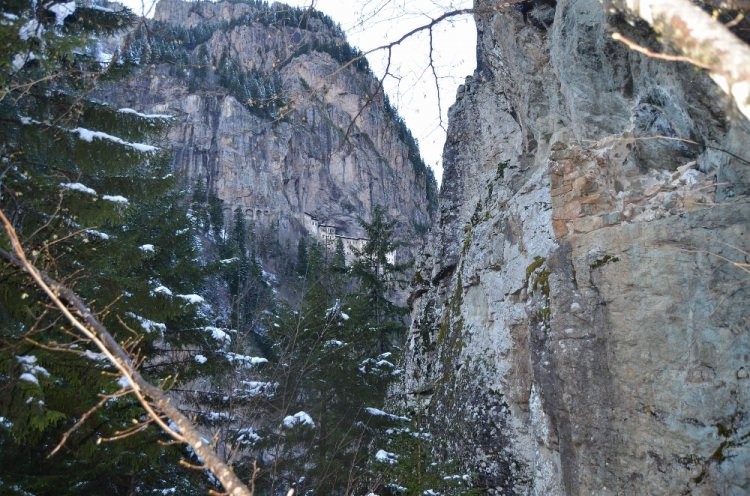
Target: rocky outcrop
point(269, 118)
point(580, 318)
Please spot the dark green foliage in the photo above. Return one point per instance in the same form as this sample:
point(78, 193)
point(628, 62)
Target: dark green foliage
point(207, 210)
point(500, 173)
point(199, 72)
point(243, 275)
point(336, 353)
point(89, 20)
point(376, 274)
point(338, 263)
point(333, 355)
point(538, 279)
point(339, 50)
point(98, 211)
point(415, 465)
point(476, 217)
point(301, 267)
point(604, 260)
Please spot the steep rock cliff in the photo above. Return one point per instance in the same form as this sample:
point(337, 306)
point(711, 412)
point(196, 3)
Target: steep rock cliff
point(269, 117)
point(578, 324)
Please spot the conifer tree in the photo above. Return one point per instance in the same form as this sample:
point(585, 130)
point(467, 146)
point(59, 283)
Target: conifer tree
point(301, 267)
point(377, 275)
point(97, 210)
point(335, 364)
point(244, 276)
point(338, 263)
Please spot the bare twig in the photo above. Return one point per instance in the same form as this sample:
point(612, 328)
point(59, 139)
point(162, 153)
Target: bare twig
point(76, 426)
point(672, 138)
point(256, 471)
point(388, 48)
point(370, 97)
point(743, 266)
point(437, 83)
point(657, 55)
point(140, 426)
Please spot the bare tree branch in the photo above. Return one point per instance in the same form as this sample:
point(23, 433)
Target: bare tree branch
point(632, 139)
point(704, 41)
point(85, 417)
point(140, 426)
point(388, 48)
point(424, 27)
point(656, 55)
point(437, 82)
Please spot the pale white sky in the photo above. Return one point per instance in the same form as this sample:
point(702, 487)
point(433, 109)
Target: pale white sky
point(412, 84)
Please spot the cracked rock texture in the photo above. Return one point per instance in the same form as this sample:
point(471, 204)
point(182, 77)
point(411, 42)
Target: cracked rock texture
point(580, 320)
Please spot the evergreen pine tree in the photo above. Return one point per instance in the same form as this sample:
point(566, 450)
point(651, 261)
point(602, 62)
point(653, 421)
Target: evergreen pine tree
point(244, 276)
point(338, 264)
point(96, 209)
point(377, 275)
point(336, 364)
point(301, 267)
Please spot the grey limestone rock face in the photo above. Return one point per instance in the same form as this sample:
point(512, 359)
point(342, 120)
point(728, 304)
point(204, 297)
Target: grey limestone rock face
point(580, 319)
point(333, 151)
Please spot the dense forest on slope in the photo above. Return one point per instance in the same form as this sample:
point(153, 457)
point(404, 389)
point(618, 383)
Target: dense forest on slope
point(115, 231)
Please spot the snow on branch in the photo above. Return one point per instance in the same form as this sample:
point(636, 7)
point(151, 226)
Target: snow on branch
point(78, 187)
point(89, 135)
point(145, 116)
point(380, 413)
point(298, 419)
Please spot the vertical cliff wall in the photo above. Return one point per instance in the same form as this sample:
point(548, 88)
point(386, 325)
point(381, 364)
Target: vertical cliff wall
point(578, 324)
point(273, 114)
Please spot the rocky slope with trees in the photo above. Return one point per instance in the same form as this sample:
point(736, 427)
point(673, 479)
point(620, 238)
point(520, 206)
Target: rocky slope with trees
point(277, 116)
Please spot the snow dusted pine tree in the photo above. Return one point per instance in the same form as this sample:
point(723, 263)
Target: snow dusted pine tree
point(95, 208)
point(334, 354)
